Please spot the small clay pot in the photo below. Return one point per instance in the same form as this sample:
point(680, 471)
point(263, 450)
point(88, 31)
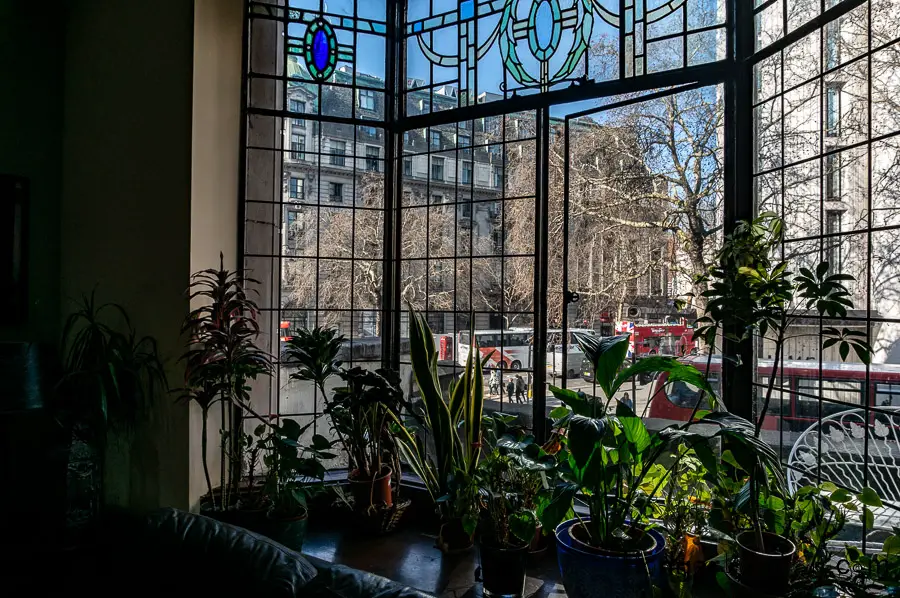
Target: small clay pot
point(368, 492)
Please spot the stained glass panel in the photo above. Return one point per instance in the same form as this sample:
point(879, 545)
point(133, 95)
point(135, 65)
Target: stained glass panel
point(485, 50)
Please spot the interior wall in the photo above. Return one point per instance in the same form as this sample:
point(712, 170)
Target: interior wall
point(218, 27)
point(125, 211)
point(31, 56)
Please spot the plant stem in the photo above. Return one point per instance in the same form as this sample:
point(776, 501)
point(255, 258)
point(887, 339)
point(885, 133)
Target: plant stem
point(203, 456)
point(779, 343)
point(712, 348)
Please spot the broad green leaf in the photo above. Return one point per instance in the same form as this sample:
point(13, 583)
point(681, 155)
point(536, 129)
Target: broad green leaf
point(559, 412)
point(578, 402)
point(585, 433)
point(606, 355)
point(867, 518)
point(841, 495)
point(522, 524)
point(676, 370)
point(320, 442)
point(891, 545)
point(870, 498)
point(635, 430)
point(559, 506)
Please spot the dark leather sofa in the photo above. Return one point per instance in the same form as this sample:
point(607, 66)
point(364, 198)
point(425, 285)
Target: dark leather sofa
point(175, 553)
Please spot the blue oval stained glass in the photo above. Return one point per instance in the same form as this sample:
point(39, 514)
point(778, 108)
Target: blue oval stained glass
point(544, 25)
point(320, 50)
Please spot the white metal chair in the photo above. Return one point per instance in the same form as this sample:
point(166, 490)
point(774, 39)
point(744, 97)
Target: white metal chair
point(836, 447)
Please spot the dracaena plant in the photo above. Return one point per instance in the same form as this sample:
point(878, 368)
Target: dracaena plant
point(608, 458)
point(221, 359)
point(452, 424)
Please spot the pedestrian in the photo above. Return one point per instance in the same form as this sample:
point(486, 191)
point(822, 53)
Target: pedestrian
point(520, 389)
point(628, 402)
point(494, 382)
point(510, 390)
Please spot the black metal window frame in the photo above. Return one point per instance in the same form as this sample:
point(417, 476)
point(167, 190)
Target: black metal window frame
point(734, 73)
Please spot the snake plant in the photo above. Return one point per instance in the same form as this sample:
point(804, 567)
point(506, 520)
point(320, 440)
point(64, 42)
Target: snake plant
point(453, 424)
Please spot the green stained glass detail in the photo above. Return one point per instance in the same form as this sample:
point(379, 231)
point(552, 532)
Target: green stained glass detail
point(543, 42)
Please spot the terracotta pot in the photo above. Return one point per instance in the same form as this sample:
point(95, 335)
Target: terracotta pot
point(538, 546)
point(768, 571)
point(368, 492)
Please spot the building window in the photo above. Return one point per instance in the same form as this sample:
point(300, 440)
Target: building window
point(297, 106)
point(833, 177)
point(833, 110)
point(467, 173)
point(366, 99)
point(295, 188)
point(464, 141)
point(407, 138)
point(437, 168)
point(497, 238)
point(369, 131)
point(436, 139)
point(298, 145)
point(466, 208)
point(833, 44)
point(336, 192)
point(833, 244)
point(437, 198)
point(498, 178)
point(407, 167)
point(338, 153)
point(373, 153)
point(656, 273)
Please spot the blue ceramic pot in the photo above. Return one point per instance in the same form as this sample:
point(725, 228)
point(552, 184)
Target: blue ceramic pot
point(591, 573)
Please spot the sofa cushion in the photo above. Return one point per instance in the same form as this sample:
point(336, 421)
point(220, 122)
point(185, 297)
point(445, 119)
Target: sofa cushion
point(338, 581)
point(220, 559)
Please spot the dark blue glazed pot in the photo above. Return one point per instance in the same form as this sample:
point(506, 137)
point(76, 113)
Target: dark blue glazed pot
point(591, 573)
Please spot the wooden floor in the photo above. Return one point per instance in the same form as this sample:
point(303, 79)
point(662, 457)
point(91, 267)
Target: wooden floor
point(409, 556)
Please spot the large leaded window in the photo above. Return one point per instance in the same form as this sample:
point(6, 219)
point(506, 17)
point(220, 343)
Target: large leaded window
point(530, 168)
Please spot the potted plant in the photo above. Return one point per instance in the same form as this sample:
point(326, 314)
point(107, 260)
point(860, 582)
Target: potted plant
point(110, 377)
point(607, 458)
point(220, 361)
point(453, 427)
point(683, 507)
point(506, 527)
point(361, 413)
point(533, 471)
point(753, 296)
point(878, 572)
point(294, 475)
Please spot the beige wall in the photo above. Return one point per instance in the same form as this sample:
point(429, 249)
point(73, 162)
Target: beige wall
point(149, 191)
point(215, 162)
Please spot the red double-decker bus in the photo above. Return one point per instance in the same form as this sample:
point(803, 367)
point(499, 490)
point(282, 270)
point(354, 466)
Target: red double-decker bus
point(795, 397)
point(659, 339)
